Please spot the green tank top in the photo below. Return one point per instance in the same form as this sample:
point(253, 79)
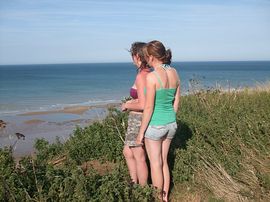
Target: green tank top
point(163, 109)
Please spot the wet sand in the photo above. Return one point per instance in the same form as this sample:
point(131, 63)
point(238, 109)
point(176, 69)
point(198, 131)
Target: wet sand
point(34, 121)
point(47, 125)
point(70, 110)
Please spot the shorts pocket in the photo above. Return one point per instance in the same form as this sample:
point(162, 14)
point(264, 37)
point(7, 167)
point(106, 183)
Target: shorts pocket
point(158, 127)
point(172, 130)
point(175, 125)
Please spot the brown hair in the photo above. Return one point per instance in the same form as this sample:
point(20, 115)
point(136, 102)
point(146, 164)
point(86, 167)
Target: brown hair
point(157, 49)
point(137, 49)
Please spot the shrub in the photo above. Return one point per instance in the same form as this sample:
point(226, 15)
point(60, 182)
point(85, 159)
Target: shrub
point(222, 145)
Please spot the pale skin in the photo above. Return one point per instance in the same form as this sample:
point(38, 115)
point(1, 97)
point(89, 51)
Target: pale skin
point(158, 150)
point(135, 156)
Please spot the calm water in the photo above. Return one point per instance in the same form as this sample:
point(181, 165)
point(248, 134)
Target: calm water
point(43, 87)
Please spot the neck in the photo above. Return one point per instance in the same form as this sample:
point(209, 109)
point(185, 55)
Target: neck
point(157, 64)
point(143, 70)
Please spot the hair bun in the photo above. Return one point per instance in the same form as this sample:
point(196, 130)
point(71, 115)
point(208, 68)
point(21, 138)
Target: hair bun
point(168, 56)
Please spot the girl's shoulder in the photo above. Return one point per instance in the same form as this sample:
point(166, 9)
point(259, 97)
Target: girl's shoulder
point(173, 70)
point(142, 74)
point(151, 77)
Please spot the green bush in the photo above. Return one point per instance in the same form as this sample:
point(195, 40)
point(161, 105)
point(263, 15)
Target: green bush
point(100, 140)
point(226, 130)
point(222, 142)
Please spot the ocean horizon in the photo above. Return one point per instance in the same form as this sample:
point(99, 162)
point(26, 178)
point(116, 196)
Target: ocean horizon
point(32, 97)
point(41, 87)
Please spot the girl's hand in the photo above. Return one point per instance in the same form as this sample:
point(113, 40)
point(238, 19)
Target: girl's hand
point(123, 107)
point(132, 101)
point(140, 139)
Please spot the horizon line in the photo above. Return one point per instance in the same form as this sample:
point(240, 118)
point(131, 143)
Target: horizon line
point(65, 63)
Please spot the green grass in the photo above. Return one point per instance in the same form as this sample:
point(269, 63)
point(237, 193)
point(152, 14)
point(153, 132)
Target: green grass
point(220, 153)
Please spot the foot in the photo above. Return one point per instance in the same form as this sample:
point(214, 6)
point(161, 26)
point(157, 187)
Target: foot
point(164, 196)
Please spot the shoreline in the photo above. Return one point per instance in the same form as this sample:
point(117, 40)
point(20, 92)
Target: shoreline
point(70, 110)
point(62, 122)
point(79, 110)
point(47, 125)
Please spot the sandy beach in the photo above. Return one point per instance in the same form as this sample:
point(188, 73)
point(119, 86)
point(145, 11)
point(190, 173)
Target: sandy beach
point(47, 125)
point(69, 110)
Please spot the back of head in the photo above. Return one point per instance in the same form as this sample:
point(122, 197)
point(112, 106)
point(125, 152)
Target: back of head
point(158, 50)
point(137, 50)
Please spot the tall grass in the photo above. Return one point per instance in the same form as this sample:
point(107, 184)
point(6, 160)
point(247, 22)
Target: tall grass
point(220, 153)
point(228, 147)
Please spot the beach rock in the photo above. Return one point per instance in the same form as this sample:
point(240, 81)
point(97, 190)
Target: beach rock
point(3, 124)
point(20, 135)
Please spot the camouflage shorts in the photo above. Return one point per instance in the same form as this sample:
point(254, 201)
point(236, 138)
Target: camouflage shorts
point(134, 124)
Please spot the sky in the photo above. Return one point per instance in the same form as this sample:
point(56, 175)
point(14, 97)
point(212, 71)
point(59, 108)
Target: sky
point(88, 31)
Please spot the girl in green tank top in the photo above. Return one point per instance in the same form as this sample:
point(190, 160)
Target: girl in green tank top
point(163, 109)
point(158, 125)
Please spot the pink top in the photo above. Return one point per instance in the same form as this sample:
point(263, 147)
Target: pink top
point(133, 93)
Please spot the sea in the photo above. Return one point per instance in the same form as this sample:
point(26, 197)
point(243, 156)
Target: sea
point(25, 88)
point(52, 87)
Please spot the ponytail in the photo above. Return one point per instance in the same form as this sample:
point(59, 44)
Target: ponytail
point(158, 50)
point(168, 57)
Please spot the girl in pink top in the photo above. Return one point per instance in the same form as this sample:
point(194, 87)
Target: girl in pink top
point(134, 153)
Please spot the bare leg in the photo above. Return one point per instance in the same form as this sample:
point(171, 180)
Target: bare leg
point(131, 163)
point(153, 149)
point(166, 173)
point(141, 166)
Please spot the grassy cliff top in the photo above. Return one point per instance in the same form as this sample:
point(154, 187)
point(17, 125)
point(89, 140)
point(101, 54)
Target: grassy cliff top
point(220, 153)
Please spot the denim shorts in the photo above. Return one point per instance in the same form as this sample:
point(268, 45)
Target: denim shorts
point(161, 132)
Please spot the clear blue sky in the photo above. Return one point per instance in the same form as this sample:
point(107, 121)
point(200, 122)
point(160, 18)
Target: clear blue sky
point(75, 31)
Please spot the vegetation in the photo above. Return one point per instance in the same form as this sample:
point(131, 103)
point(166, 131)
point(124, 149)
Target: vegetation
point(220, 153)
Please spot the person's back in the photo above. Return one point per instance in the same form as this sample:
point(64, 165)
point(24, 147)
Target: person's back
point(166, 85)
point(135, 153)
point(159, 117)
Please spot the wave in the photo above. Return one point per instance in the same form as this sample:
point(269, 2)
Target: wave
point(91, 103)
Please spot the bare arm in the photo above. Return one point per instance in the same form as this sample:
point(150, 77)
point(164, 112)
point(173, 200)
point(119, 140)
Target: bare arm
point(149, 106)
point(177, 93)
point(139, 105)
point(177, 98)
